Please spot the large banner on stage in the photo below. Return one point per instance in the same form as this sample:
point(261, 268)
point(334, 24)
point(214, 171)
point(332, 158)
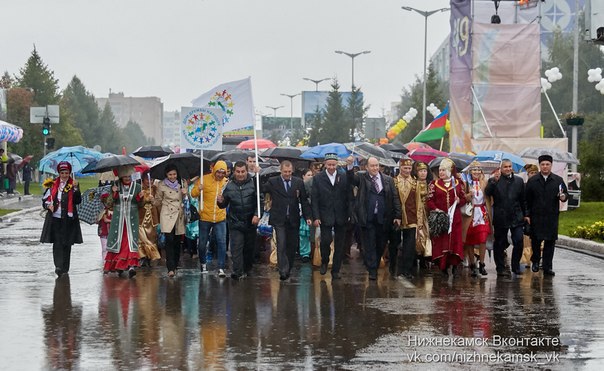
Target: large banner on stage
point(201, 128)
point(460, 104)
point(506, 67)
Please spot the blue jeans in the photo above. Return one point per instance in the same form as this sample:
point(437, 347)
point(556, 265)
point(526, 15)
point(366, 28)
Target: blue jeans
point(204, 233)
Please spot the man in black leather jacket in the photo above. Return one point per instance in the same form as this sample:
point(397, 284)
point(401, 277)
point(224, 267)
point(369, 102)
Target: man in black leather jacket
point(242, 217)
point(509, 211)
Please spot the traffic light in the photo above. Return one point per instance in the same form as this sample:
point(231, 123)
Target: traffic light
point(50, 143)
point(46, 127)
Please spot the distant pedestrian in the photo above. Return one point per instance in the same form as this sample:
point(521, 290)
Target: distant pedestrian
point(544, 192)
point(27, 177)
point(104, 222)
point(61, 224)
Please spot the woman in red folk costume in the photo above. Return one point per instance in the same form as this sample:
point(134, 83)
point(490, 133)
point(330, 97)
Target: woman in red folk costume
point(61, 225)
point(447, 248)
point(122, 241)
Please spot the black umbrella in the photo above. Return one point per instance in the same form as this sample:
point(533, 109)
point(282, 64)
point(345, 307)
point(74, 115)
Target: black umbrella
point(208, 153)
point(283, 152)
point(367, 150)
point(110, 163)
point(153, 151)
point(187, 165)
point(270, 171)
point(232, 155)
point(395, 147)
point(459, 163)
point(461, 159)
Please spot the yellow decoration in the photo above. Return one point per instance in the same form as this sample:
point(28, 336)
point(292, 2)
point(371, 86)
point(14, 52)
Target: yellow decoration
point(448, 126)
point(401, 124)
point(48, 183)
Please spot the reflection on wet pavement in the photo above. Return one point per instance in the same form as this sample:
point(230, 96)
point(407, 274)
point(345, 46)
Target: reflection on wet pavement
point(88, 320)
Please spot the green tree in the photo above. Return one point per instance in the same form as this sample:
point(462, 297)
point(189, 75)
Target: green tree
point(592, 159)
point(316, 125)
point(6, 81)
point(132, 137)
point(83, 110)
point(37, 76)
point(413, 97)
point(334, 125)
point(356, 111)
point(110, 131)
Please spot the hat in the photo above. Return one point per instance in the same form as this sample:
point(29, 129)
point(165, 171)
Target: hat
point(64, 165)
point(531, 167)
point(123, 171)
point(446, 164)
point(475, 165)
point(220, 166)
point(331, 156)
point(546, 158)
point(422, 166)
point(405, 161)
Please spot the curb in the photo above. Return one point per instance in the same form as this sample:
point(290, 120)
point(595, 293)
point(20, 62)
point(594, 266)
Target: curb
point(10, 216)
point(581, 245)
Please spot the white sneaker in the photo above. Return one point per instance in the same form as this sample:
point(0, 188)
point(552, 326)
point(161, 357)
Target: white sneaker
point(204, 268)
point(221, 273)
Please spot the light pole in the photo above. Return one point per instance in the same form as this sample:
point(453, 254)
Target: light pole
point(425, 14)
point(353, 56)
point(316, 81)
point(291, 109)
point(274, 110)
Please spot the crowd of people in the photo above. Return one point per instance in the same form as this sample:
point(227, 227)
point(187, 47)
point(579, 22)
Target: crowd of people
point(407, 222)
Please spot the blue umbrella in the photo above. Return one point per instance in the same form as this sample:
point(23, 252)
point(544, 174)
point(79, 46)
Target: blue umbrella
point(79, 157)
point(321, 150)
point(517, 162)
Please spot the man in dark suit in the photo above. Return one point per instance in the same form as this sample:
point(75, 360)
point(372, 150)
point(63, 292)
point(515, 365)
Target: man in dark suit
point(377, 208)
point(287, 193)
point(330, 199)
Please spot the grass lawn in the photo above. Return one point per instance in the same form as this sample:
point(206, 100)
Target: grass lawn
point(587, 214)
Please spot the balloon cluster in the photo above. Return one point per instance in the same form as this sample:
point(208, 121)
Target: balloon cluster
point(401, 124)
point(434, 111)
point(553, 75)
point(595, 75)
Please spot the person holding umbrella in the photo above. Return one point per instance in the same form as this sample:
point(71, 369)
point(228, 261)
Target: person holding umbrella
point(61, 224)
point(122, 241)
point(169, 195)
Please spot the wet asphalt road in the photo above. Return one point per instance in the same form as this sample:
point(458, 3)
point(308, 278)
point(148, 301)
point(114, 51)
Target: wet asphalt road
point(94, 322)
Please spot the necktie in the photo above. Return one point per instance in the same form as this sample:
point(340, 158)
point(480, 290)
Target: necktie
point(376, 186)
point(287, 186)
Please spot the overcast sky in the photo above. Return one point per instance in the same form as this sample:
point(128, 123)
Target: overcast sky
point(178, 49)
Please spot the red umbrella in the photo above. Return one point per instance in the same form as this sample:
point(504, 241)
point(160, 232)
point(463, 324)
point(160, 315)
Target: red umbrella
point(415, 145)
point(262, 143)
point(426, 154)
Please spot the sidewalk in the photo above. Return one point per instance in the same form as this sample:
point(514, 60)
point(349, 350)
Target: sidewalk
point(19, 202)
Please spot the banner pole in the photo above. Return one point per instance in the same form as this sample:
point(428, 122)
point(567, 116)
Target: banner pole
point(201, 181)
point(258, 173)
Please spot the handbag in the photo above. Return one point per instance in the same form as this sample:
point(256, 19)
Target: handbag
point(438, 223)
point(265, 229)
point(194, 213)
point(468, 209)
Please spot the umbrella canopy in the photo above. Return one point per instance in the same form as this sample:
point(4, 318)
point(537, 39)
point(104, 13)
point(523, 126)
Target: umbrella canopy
point(25, 160)
point(320, 151)
point(367, 150)
point(91, 206)
point(13, 157)
point(187, 165)
point(460, 165)
point(262, 143)
point(426, 154)
point(395, 147)
point(110, 163)
point(9, 132)
point(153, 151)
point(79, 157)
point(517, 162)
point(415, 145)
point(292, 153)
point(487, 166)
point(270, 171)
point(557, 155)
point(232, 156)
point(461, 160)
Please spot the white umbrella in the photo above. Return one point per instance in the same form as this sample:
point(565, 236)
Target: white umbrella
point(557, 155)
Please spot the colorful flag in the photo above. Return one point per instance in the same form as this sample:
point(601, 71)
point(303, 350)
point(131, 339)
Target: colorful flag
point(436, 130)
point(201, 128)
point(235, 100)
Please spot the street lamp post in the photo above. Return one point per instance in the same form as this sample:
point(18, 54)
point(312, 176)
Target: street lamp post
point(425, 14)
point(316, 81)
point(291, 109)
point(352, 57)
point(274, 109)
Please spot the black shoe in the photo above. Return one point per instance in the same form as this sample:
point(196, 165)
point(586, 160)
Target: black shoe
point(131, 273)
point(373, 276)
point(335, 276)
point(535, 267)
point(283, 277)
point(408, 276)
point(236, 277)
point(549, 272)
point(305, 259)
point(482, 270)
point(323, 268)
point(503, 274)
point(58, 272)
point(444, 272)
point(517, 272)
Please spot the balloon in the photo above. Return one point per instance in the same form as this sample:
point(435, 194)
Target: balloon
point(448, 126)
